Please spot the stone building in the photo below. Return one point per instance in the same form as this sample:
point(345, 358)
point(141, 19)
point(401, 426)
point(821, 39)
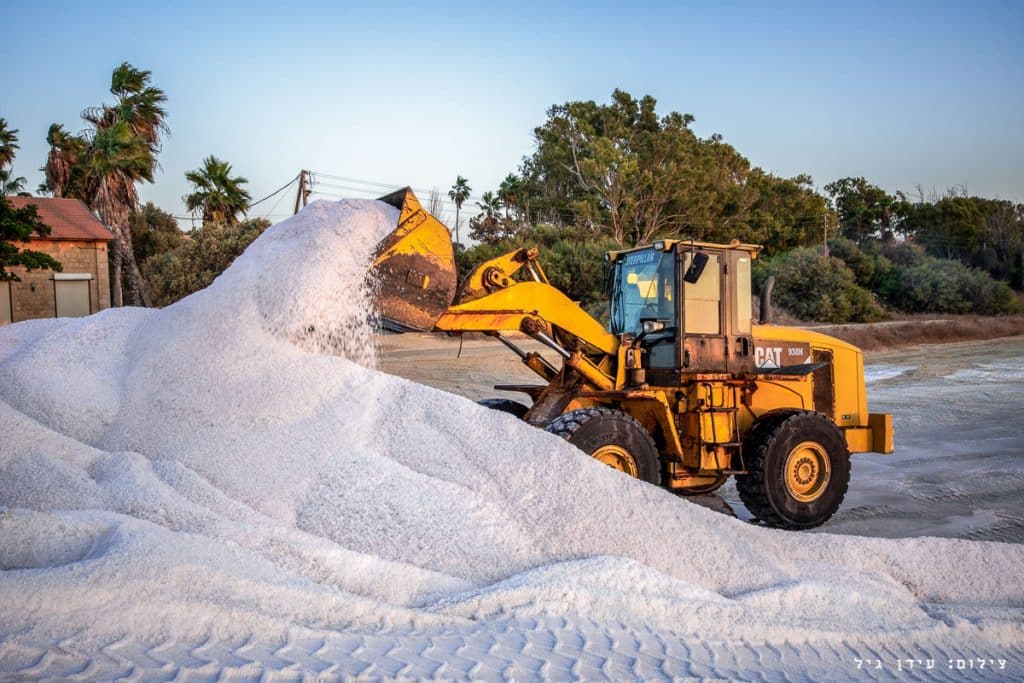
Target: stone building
point(81, 243)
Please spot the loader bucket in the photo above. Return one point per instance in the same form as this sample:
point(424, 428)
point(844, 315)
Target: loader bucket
point(413, 268)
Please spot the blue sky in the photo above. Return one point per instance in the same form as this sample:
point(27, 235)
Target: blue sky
point(903, 93)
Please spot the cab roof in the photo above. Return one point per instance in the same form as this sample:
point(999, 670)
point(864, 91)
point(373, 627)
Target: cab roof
point(670, 245)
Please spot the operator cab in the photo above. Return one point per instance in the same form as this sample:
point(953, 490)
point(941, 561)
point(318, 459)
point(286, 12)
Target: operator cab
point(705, 330)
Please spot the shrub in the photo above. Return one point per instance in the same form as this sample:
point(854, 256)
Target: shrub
point(904, 276)
point(196, 262)
point(816, 287)
point(939, 286)
point(904, 253)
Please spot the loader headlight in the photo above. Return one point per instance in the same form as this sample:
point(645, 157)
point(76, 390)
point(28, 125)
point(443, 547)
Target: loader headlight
point(659, 246)
point(651, 326)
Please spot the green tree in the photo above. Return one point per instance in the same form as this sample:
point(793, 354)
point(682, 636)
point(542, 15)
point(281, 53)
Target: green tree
point(973, 230)
point(587, 165)
point(154, 232)
point(787, 213)
point(952, 228)
point(103, 165)
point(218, 196)
point(1004, 235)
point(866, 211)
point(459, 193)
point(622, 171)
point(18, 225)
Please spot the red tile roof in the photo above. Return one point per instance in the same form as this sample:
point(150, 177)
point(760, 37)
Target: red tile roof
point(69, 219)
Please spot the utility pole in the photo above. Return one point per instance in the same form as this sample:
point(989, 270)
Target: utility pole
point(824, 234)
point(305, 189)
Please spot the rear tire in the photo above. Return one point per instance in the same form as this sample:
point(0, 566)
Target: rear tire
point(798, 470)
point(504, 405)
point(612, 437)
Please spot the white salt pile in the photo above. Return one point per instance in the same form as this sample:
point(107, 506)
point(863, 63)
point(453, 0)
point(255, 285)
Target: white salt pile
point(231, 471)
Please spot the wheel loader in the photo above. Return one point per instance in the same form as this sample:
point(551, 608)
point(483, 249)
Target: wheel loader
point(681, 389)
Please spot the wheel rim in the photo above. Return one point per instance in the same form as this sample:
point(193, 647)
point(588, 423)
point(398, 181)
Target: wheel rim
point(808, 470)
point(618, 458)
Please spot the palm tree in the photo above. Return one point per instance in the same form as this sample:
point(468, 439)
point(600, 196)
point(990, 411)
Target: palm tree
point(490, 204)
point(459, 193)
point(8, 143)
point(219, 196)
point(102, 166)
point(9, 185)
point(118, 158)
point(138, 104)
point(63, 172)
point(509, 190)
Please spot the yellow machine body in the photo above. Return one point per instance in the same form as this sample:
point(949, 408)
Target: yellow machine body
point(720, 377)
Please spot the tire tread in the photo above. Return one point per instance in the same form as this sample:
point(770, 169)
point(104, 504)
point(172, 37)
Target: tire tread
point(753, 488)
point(567, 424)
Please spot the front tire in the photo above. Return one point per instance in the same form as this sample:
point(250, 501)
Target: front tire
point(798, 470)
point(612, 437)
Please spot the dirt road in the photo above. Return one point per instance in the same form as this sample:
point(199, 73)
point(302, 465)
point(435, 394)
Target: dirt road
point(958, 469)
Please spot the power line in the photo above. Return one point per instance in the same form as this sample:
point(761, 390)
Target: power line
point(278, 202)
point(806, 222)
point(384, 186)
point(373, 192)
point(283, 187)
point(810, 222)
point(328, 185)
point(249, 206)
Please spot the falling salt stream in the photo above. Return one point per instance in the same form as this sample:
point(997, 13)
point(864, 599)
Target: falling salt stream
point(226, 486)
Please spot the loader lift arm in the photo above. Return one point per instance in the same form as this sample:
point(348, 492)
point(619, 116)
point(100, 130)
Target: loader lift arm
point(491, 301)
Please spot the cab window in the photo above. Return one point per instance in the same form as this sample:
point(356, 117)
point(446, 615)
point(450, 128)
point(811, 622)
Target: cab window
point(643, 287)
point(702, 298)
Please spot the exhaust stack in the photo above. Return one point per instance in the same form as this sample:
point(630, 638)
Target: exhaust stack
point(766, 300)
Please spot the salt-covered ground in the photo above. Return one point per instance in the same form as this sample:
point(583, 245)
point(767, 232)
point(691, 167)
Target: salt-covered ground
point(215, 490)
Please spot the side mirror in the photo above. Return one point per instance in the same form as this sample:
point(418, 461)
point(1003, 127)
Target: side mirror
point(696, 269)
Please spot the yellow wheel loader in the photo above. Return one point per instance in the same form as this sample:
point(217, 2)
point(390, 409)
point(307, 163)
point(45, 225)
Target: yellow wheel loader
point(681, 389)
